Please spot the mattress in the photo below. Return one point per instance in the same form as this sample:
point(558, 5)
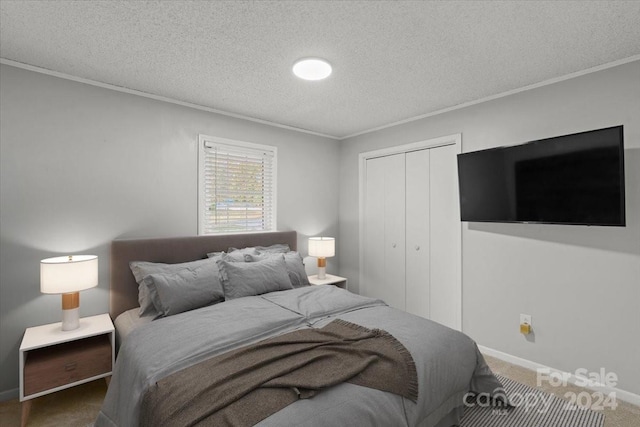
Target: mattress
point(126, 322)
point(448, 362)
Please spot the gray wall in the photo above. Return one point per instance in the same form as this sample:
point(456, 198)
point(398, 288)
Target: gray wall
point(82, 165)
point(580, 284)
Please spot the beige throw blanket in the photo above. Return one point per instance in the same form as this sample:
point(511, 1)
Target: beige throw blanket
point(244, 386)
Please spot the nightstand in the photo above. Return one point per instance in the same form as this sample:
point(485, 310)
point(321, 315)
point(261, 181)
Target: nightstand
point(338, 281)
point(52, 359)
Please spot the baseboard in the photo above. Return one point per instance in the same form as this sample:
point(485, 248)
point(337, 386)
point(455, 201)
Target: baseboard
point(9, 394)
point(627, 396)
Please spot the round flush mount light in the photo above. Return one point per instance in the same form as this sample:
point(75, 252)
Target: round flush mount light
point(312, 69)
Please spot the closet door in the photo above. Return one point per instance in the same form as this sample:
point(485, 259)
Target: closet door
point(384, 230)
point(445, 228)
point(394, 231)
point(418, 263)
point(373, 239)
point(411, 233)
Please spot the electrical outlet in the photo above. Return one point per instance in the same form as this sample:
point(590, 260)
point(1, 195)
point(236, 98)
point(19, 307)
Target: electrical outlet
point(525, 319)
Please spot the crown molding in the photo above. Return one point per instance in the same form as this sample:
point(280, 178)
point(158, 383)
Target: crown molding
point(500, 95)
point(157, 97)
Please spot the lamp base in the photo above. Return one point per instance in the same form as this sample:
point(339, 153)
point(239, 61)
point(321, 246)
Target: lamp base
point(70, 311)
point(70, 319)
point(322, 268)
point(322, 273)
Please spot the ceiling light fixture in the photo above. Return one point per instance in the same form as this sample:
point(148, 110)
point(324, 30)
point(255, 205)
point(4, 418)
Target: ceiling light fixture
point(312, 69)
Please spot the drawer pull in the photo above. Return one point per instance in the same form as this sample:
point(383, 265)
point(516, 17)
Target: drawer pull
point(70, 366)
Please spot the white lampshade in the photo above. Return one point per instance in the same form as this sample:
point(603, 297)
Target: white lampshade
point(66, 274)
point(322, 247)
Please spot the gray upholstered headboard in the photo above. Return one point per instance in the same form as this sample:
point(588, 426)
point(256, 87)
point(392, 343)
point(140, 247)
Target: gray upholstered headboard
point(122, 284)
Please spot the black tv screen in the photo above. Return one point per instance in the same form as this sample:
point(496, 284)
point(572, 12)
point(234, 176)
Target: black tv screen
point(573, 179)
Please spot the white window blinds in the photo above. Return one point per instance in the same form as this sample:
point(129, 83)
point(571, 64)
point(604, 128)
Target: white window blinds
point(237, 186)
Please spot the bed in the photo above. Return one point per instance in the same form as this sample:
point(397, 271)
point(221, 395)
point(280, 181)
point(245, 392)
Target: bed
point(447, 364)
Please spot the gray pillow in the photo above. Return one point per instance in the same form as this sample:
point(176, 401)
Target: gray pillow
point(188, 289)
point(295, 267)
point(234, 256)
point(141, 269)
point(237, 256)
point(241, 279)
point(278, 248)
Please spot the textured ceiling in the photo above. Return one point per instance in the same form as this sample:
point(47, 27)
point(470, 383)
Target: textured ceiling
point(392, 60)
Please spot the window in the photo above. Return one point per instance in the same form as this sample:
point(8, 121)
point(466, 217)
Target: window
point(237, 186)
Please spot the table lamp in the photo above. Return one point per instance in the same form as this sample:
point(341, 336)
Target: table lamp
point(322, 247)
point(68, 275)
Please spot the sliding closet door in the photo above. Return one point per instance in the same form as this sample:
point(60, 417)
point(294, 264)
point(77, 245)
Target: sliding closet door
point(384, 230)
point(418, 279)
point(445, 237)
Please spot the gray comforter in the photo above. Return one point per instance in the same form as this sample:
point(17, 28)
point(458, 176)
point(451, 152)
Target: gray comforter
point(448, 362)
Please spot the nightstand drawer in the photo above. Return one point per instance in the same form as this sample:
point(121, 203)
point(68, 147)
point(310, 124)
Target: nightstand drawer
point(54, 366)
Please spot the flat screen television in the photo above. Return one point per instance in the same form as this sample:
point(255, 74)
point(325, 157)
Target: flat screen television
point(573, 179)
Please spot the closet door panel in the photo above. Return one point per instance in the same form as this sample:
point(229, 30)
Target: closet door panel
point(394, 231)
point(417, 233)
point(445, 237)
point(374, 224)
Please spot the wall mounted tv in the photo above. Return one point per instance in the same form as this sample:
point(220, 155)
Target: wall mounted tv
point(574, 179)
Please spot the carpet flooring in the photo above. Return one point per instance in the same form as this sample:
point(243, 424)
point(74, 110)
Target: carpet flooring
point(531, 408)
point(624, 415)
point(78, 406)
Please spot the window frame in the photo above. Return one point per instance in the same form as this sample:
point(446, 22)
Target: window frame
point(202, 141)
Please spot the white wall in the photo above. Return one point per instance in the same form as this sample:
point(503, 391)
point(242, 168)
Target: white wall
point(580, 284)
point(82, 165)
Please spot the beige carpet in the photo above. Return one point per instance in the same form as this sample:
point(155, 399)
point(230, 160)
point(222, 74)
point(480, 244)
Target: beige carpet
point(73, 407)
point(79, 406)
point(625, 415)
